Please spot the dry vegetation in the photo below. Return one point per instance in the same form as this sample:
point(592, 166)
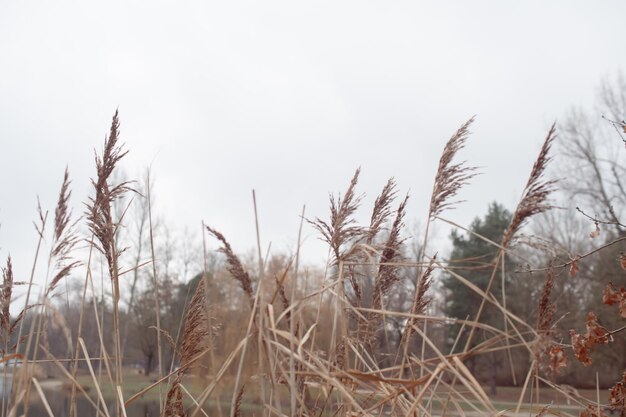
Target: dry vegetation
point(362, 338)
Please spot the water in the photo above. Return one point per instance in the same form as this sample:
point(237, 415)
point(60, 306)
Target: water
point(60, 405)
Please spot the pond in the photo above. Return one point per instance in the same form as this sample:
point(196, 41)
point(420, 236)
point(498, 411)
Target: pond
point(60, 406)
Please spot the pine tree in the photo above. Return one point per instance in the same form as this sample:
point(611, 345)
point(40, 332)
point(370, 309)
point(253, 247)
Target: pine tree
point(472, 257)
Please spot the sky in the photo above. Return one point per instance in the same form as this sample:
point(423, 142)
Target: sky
point(286, 98)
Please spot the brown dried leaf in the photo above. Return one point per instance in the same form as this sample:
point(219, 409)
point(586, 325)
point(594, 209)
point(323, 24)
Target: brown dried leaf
point(584, 345)
point(610, 295)
point(595, 332)
point(580, 345)
point(558, 359)
point(592, 411)
point(596, 232)
point(622, 260)
point(617, 395)
point(573, 269)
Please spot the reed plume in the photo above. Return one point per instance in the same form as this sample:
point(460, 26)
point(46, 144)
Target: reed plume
point(238, 400)
point(195, 340)
point(65, 239)
point(62, 214)
point(548, 354)
point(380, 214)
point(196, 332)
point(7, 326)
point(99, 210)
point(421, 302)
point(280, 287)
point(388, 273)
point(5, 298)
point(174, 402)
point(280, 290)
point(234, 265)
point(39, 227)
point(381, 211)
point(104, 229)
point(547, 308)
point(18, 320)
point(353, 275)
point(450, 176)
point(535, 196)
point(342, 227)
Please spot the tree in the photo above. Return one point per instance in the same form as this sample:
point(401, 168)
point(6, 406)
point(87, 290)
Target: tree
point(140, 233)
point(472, 257)
point(144, 323)
point(593, 166)
point(144, 333)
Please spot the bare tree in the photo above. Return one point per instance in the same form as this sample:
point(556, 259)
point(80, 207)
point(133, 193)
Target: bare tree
point(593, 168)
point(137, 239)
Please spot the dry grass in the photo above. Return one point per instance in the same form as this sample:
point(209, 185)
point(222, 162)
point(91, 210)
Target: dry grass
point(324, 349)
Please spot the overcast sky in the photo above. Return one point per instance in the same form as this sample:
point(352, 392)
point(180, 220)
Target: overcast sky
point(287, 98)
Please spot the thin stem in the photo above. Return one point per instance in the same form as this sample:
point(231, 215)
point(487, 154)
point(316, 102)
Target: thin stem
point(155, 282)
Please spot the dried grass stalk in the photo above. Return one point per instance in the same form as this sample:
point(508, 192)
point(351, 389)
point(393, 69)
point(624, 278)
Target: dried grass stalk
point(20, 317)
point(342, 227)
point(238, 400)
point(381, 211)
point(5, 298)
point(547, 308)
point(450, 177)
point(62, 214)
point(168, 337)
point(234, 265)
point(58, 321)
point(536, 193)
point(195, 340)
point(196, 332)
point(388, 273)
point(42, 219)
point(280, 288)
point(549, 355)
point(65, 238)
point(174, 402)
point(353, 275)
point(421, 302)
point(99, 215)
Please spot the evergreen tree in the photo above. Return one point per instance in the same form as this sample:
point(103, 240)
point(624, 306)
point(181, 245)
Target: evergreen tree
point(472, 257)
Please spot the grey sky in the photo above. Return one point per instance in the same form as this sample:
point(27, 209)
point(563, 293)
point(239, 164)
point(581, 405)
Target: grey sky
point(287, 98)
